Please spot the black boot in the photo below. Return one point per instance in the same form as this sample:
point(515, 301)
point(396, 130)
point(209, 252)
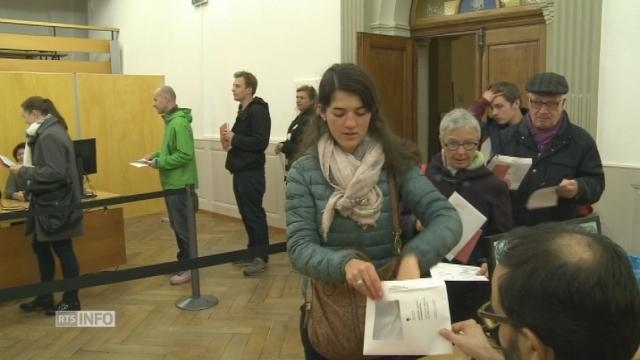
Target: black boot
point(45, 303)
point(65, 305)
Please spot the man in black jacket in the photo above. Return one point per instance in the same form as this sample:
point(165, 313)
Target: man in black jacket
point(563, 154)
point(246, 143)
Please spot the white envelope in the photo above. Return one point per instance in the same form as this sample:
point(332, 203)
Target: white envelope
point(407, 319)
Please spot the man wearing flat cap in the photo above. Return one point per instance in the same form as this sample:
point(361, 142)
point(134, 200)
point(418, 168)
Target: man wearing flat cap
point(562, 154)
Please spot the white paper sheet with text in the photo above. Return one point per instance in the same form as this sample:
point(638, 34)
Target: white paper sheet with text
point(515, 169)
point(543, 198)
point(472, 221)
point(407, 319)
point(456, 272)
point(140, 163)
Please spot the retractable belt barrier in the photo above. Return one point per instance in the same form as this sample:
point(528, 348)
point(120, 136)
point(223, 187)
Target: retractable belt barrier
point(116, 276)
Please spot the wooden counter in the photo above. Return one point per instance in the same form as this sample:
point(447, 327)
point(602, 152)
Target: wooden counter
point(101, 247)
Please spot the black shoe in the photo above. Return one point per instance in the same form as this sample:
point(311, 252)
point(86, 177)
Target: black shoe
point(36, 304)
point(73, 305)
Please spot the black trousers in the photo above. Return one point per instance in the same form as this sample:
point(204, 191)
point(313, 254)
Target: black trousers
point(249, 187)
point(46, 265)
point(311, 354)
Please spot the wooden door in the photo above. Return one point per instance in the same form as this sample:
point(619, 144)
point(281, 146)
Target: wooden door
point(389, 60)
point(513, 54)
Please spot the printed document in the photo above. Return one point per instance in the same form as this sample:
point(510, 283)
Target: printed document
point(456, 272)
point(407, 319)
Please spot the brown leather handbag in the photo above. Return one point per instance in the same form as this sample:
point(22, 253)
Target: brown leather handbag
point(335, 313)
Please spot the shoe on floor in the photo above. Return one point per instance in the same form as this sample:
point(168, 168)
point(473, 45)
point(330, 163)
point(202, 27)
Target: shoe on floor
point(65, 305)
point(242, 263)
point(180, 278)
point(37, 304)
point(256, 267)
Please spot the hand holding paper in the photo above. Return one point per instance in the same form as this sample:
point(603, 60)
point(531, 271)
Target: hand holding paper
point(141, 163)
point(6, 162)
point(224, 129)
point(407, 319)
point(511, 169)
point(472, 221)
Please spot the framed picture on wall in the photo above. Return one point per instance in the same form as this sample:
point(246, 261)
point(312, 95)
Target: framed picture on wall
point(198, 2)
point(476, 5)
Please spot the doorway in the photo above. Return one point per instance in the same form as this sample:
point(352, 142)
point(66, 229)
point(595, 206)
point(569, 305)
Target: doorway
point(447, 78)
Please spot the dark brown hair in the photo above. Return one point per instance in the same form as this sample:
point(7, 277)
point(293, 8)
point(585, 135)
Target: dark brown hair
point(250, 80)
point(311, 93)
point(400, 154)
point(509, 90)
point(44, 107)
point(18, 147)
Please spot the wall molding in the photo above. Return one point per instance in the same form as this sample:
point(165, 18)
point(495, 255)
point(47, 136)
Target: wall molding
point(620, 165)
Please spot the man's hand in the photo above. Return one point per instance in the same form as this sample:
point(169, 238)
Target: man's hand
point(228, 137)
point(278, 148)
point(484, 270)
point(148, 157)
point(362, 276)
point(154, 163)
point(409, 268)
point(15, 169)
point(489, 95)
point(568, 189)
point(470, 339)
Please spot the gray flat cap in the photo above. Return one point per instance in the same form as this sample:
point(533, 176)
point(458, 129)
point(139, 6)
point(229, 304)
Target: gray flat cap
point(547, 83)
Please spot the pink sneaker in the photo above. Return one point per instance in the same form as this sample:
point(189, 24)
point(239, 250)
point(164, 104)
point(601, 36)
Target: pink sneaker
point(180, 278)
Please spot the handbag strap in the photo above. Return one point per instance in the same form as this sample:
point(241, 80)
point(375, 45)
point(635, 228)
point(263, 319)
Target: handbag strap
point(395, 210)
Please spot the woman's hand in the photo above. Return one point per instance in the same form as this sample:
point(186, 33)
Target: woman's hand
point(15, 169)
point(484, 270)
point(362, 276)
point(409, 268)
point(19, 196)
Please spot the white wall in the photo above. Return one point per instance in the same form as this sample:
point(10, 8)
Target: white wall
point(283, 42)
point(618, 111)
point(619, 122)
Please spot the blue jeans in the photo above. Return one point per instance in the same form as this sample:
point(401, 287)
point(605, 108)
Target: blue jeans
point(178, 218)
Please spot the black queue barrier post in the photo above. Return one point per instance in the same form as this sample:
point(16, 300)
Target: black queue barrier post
point(196, 301)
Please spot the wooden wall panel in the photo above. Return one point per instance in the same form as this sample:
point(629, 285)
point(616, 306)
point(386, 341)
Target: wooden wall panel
point(16, 87)
point(69, 66)
point(117, 111)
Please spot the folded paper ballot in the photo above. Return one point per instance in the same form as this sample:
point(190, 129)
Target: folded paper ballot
point(140, 163)
point(407, 319)
point(5, 161)
point(543, 198)
point(456, 272)
point(472, 221)
point(511, 169)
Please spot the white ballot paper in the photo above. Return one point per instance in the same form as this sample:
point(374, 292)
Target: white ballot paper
point(512, 169)
point(140, 163)
point(407, 319)
point(486, 149)
point(6, 161)
point(472, 221)
point(543, 198)
point(456, 272)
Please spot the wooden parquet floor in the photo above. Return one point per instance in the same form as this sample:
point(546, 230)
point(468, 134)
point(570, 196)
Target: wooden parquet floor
point(257, 318)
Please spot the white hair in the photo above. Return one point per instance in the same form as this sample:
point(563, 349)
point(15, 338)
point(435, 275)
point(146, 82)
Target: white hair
point(458, 119)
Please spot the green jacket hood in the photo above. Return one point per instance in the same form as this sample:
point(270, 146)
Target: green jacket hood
point(179, 112)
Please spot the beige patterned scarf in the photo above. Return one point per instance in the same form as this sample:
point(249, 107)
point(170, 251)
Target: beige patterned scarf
point(356, 194)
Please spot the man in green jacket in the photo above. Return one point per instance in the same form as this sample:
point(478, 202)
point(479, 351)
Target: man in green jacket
point(176, 163)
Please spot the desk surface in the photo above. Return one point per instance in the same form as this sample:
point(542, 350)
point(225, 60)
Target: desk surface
point(7, 205)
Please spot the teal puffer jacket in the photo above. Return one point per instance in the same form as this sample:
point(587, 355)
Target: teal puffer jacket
point(307, 195)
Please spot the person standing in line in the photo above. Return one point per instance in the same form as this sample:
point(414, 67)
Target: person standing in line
point(49, 170)
point(306, 104)
point(246, 143)
point(176, 163)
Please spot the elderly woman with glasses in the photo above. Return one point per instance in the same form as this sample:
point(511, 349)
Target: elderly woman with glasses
point(460, 168)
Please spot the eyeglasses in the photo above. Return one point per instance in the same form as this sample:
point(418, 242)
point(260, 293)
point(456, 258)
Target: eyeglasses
point(491, 323)
point(551, 105)
point(467, 145)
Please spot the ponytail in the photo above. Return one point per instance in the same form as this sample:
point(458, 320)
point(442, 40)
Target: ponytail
point(45, 107)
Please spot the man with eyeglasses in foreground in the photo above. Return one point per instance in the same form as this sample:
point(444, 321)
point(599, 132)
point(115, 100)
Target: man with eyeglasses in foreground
point(563, 154)
point(557, 293)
